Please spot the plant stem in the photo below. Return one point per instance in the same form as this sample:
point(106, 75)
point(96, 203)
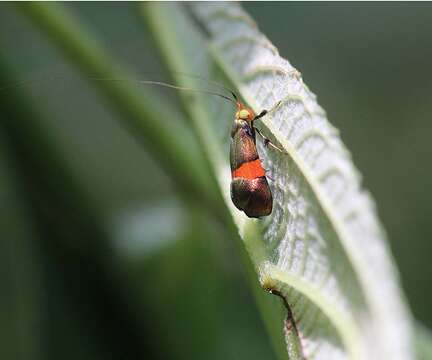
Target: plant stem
point(70, 233)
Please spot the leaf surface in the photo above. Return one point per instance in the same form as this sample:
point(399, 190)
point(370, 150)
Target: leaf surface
point(323, 248)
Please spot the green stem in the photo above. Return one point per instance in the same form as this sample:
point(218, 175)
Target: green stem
point(69, 232)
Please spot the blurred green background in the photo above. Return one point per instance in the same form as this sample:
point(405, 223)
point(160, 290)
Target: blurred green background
point(101, 259)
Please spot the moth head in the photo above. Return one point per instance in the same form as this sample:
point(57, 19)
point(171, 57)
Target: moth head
point(244, 113)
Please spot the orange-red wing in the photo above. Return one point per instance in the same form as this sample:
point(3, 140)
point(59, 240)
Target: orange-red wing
point(249, 170)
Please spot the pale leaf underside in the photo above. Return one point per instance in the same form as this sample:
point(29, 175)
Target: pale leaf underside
point(323, 247)
point(326, 249)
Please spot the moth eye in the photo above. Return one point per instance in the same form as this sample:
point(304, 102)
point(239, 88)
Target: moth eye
point(243, 114)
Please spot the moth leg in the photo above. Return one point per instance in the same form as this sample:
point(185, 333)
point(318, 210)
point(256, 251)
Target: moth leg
point(265, 112)
point(267, 142)
point(275, 107)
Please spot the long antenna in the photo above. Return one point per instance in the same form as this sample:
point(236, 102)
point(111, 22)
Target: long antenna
point(160, 83)
point(234, 98)
point(221, 86)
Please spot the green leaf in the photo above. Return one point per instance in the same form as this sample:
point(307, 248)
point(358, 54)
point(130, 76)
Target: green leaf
point(323, 248)
point(423, 343)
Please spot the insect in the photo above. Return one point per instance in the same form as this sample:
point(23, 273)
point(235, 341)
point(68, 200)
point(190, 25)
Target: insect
point(250, 191)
